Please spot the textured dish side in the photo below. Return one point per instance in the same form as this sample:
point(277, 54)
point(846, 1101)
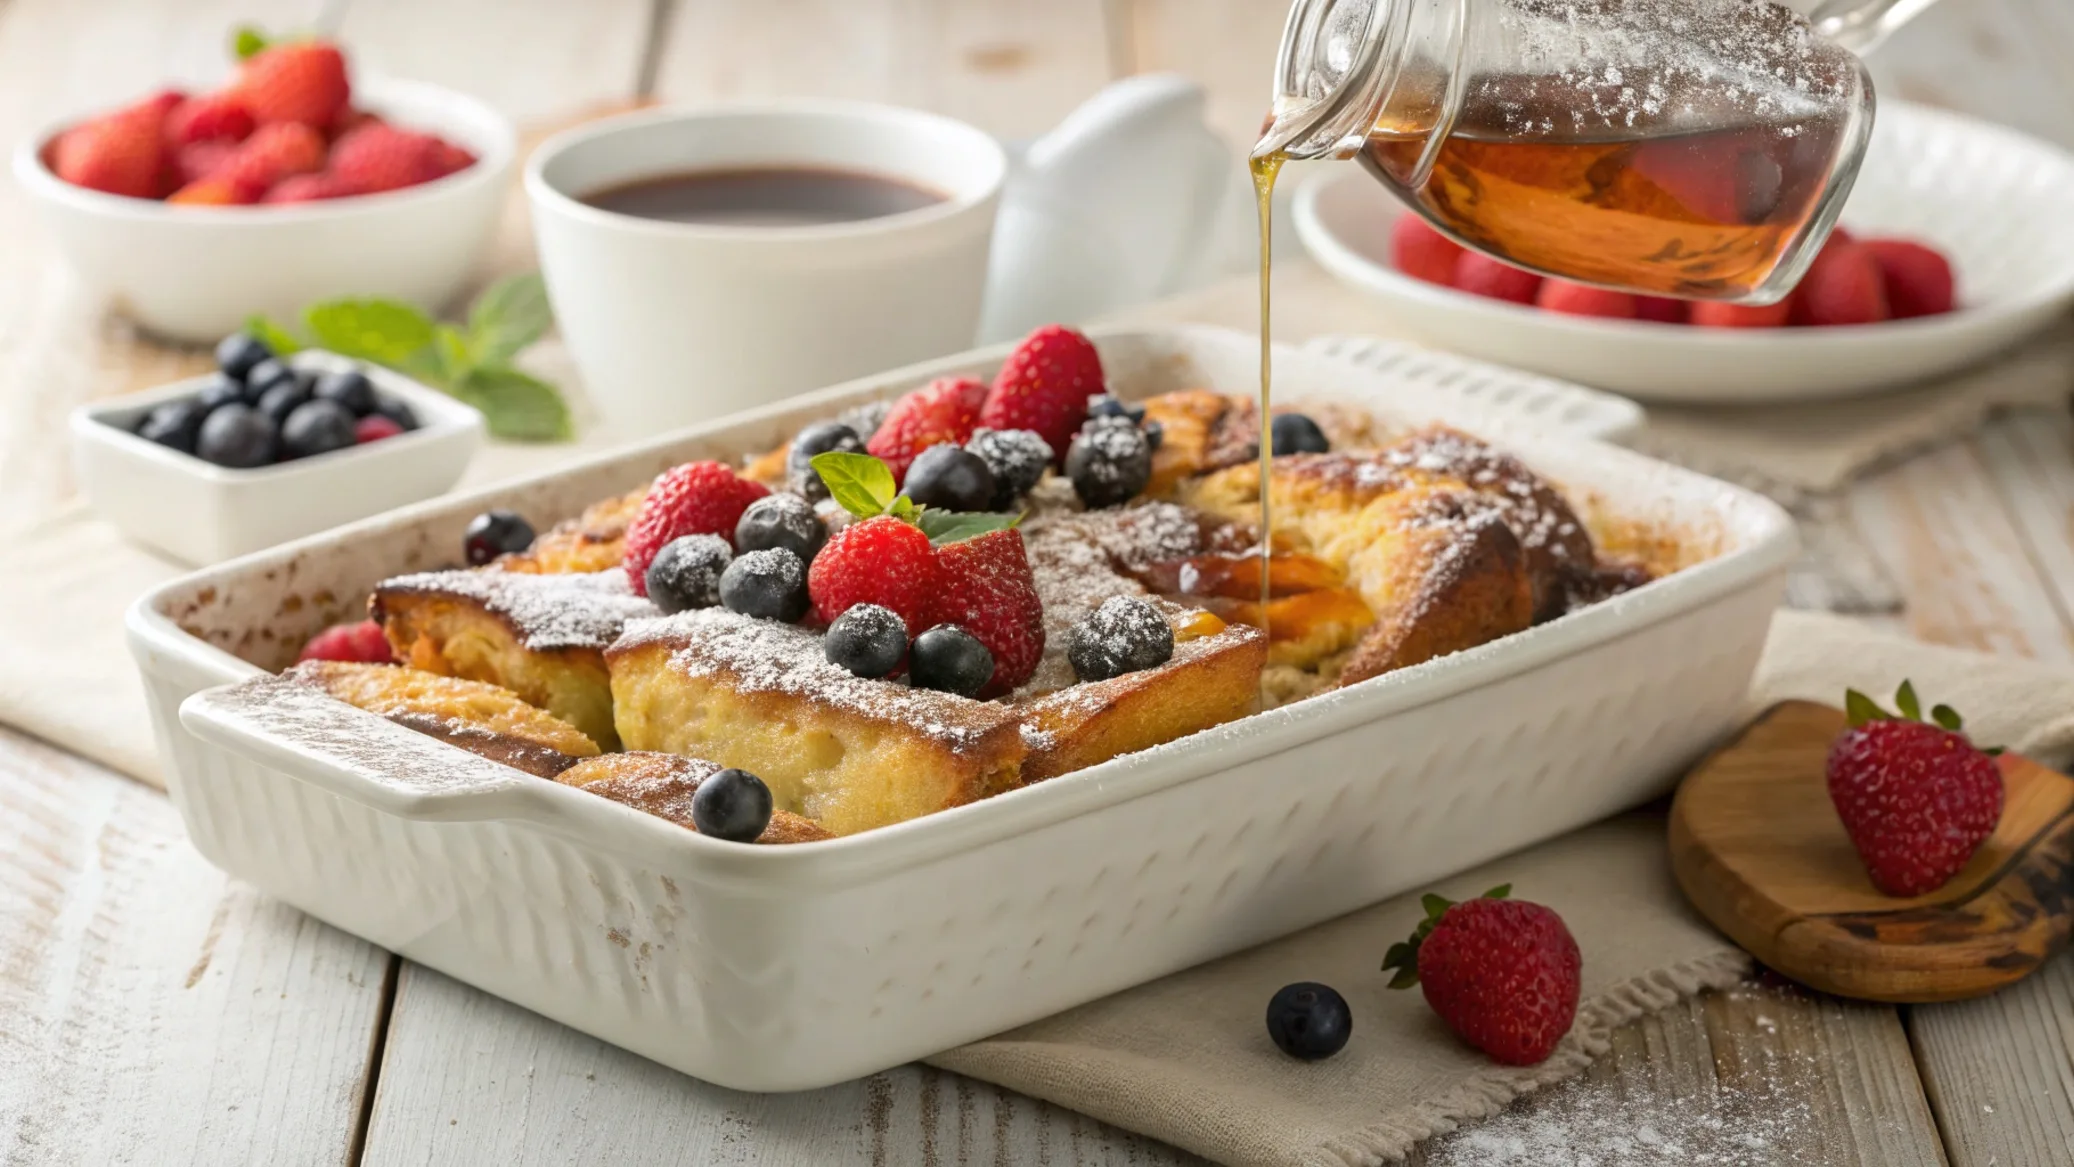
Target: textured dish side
point(777, 992)
point(1557, 404)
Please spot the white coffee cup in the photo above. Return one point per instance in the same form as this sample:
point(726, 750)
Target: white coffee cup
point(673, 323)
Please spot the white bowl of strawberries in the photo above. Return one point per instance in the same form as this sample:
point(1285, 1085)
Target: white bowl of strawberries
point(290, 185)
point(1957, 247)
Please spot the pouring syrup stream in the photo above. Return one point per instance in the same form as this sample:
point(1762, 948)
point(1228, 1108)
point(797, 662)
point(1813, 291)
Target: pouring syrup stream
point(1265, 168)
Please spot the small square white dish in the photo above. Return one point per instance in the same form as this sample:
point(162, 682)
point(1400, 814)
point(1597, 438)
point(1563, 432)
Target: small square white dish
point(201, 513)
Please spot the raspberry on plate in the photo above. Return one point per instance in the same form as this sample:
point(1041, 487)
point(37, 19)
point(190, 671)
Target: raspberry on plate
point(1480, 275)
point(985, 586)
point(1918, 278)
point(884, 561)
point(1422, 252)
point(1917, 798)
point(1843, 286)
point(697, 498)
point(362, 642)
point(1504, 974)
point(295, 81)
point(1715, 314)
point(1045, 385)
point(1568, 299)
point(944, 410)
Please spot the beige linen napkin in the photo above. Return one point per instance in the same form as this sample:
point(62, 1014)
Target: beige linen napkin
point(1186, 1059)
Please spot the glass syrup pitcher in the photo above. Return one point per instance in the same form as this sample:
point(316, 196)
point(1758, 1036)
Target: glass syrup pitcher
point(1693, 148)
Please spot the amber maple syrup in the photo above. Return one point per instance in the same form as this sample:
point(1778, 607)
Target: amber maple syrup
point(1265, 168)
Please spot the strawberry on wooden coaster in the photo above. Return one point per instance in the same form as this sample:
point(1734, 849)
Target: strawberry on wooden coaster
point(1916, 798)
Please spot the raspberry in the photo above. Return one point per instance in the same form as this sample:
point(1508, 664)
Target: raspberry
point(881, 561)
point(1843, 286)
point(200, 160)
point(944, 410)
point(1504, 974)
point(1044, 386)
point(299, 81)
point(985, 587)
point(374, 427)
point(697, 498)
point(1568, 299)
point(271, 154)
point(1480, 275)
point(1917, 799)
point(1917, 278)
point(379, 157)
point(362, 642)
point(212, 117)
point(1421, 252)
point(1662, 309)
point(1715, 314)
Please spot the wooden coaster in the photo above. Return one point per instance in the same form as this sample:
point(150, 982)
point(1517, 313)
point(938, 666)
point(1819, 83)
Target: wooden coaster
point(1757, 846)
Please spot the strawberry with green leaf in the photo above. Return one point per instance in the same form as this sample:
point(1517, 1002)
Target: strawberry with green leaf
point(1504, 974)
point(1917, 798)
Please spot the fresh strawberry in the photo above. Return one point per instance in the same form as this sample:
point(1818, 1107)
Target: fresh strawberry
point(1480, 275)
point(451, 159)
point(211, 117)
point(886, 561)
point(362, 642)
point(1843, 286)
point(374, 427)
point(1918, 278)
point(122, 153)
point(1503, 973)
point(1421, 252)
point(1568, 299)
point(308, 188)
point(271, 154)
point(1662, 309)
point(984, 585)
point(1044, 386)
point(697, 498)
point(1916, 798)
point(352, 119)
point(1715, 314)
point(296, 81)
point(199, 160)
point(944, 410)
point(379, 157)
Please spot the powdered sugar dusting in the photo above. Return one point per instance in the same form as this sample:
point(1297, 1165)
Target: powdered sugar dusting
point(585, 610)
point(407, 759)
point(1078, 559)
point(1589, 1124)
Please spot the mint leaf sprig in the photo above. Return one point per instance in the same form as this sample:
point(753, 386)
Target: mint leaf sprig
point(864, 486)
point(471, 362)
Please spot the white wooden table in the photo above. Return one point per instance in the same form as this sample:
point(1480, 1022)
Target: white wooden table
point(154, 1011)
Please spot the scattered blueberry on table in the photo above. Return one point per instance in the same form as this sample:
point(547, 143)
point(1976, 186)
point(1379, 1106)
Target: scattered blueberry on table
point(1309, 1021)
point(256, 411)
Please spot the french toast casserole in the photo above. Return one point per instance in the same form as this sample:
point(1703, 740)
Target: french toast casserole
point(911, 608)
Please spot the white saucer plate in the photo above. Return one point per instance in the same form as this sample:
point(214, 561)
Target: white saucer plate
point(1993, 199)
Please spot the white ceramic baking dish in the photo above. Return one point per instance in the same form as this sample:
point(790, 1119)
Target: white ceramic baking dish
point(784, 968)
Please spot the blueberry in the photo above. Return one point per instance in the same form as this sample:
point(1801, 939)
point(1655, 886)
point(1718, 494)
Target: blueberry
point(867, 639)
point(820, 438)
point(237, 436)
point(1017, 458)
point(1309, 1021)
point(494, 533)
point(315, 427)
point(1293, 433)
point(686, 573)
point(770, 585)
point(782, 520)
point(733, 805)
point(950, 478)
point(1109, 462)
point(281, 400)
point(219, 392)
point(1155, 434)
point(239, 352)
point(395, 410)
point(175, 424)
point(265, 375)
point(1107, 405)
point(350, 389)
point(1125, 635)
point(950, 659)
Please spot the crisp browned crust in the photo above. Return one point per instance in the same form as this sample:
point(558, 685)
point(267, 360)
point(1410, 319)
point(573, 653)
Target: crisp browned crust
point(593, 541)
point(1208, 682)
point(480, 718)
point(663, 785)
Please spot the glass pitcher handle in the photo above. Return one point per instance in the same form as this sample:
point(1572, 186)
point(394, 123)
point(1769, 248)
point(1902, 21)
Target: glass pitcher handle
point(1860, 25)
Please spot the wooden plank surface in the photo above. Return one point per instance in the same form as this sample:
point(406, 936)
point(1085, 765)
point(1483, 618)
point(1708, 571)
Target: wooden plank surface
point(152, 1009)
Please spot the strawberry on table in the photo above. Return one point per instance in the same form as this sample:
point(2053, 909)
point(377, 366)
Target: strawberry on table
point(697, 498)
point(1044, 386)
point(985, 586)
point(1917, 798)
point(295, 81)
point(1503, 973)
point(944, 410)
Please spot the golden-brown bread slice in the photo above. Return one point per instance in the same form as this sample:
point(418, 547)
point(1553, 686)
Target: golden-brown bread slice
point(849, 753)
point(1204, 431)
point(663, 785)
point(591, 542)
point(541, 636)
point(1210, 680)
point(480, 718)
